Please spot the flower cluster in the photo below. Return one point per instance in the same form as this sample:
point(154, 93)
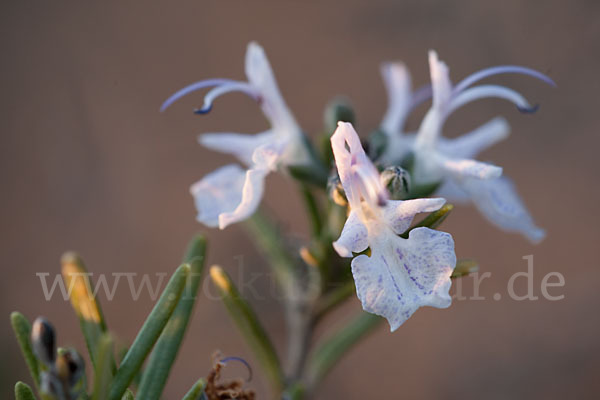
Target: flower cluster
point(396, 269)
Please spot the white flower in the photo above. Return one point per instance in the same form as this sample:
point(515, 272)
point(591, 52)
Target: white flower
point(231, 194)
point(400, 275)
point(450, 161)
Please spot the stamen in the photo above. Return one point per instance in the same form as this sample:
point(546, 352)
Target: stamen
point(232, 86)
point(192, 88)
point(501, 69)
point(482, 91)
point(241, 360)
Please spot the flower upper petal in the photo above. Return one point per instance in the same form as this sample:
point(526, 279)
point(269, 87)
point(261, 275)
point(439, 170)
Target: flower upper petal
point(498, 201)
point(358, 175)
point(218, 192)
point(260, 75)
point(404, 274)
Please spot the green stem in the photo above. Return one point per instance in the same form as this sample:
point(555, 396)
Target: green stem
point(334, 298)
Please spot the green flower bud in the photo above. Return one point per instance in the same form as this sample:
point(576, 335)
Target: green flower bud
point(397, 182)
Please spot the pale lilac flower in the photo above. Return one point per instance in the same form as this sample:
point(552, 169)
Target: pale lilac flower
point(450, 161)
point(400, 275)
point(231, 194)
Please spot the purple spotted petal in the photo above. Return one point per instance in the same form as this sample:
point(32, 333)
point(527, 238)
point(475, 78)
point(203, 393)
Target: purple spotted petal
point(404, 274)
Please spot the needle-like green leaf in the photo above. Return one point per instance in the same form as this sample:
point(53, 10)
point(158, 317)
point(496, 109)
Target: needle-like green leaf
point(332, 349)
point(195, 390)
point(87, 307)
point(23, 392)
point(104, 362)
point(249, 325)
point(432, 221)
point(151, 330)
point(22, 329)
point(164, 353)
point(464, 267)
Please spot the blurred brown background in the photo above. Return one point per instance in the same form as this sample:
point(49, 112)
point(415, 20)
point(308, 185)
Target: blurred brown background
point(88, 163)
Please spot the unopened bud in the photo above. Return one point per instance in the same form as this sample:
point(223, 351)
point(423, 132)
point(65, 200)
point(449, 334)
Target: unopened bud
point(397, 182)
point(43, 340)
point(70, 367)
point(336, 191)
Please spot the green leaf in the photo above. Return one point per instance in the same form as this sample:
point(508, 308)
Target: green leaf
point(128, 395)
point(103, 373)
point(250, 327)
point(195, 390)
point(432, 221)
point(22, 329)
point(23, 392)
point(84, 302)
point(268, 240)
point(151, 330)
point(332, 349)
point(464, 267)
point(164, 353)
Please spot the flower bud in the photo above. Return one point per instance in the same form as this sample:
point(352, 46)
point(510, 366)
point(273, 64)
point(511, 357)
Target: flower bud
point(43, 340)
point(70, 367)
point(336, 191)
point(397, 182)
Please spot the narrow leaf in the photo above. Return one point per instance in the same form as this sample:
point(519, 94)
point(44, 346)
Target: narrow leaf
point(195, 390)
point(151, 330)
point(249, 325)
point(464, 267)
point(128, 395)
point(332, 349)
point(86, 306)
point(22, 329)
point(432, 221)
point(164, 353)
point(103, 373)
point(23, 392)
point(268, 240)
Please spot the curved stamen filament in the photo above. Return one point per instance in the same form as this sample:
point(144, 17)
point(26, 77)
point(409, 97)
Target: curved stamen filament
point(483, 91)
point(192, 88)
point(501, 69)
point(241, 360)
point(234, 86)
